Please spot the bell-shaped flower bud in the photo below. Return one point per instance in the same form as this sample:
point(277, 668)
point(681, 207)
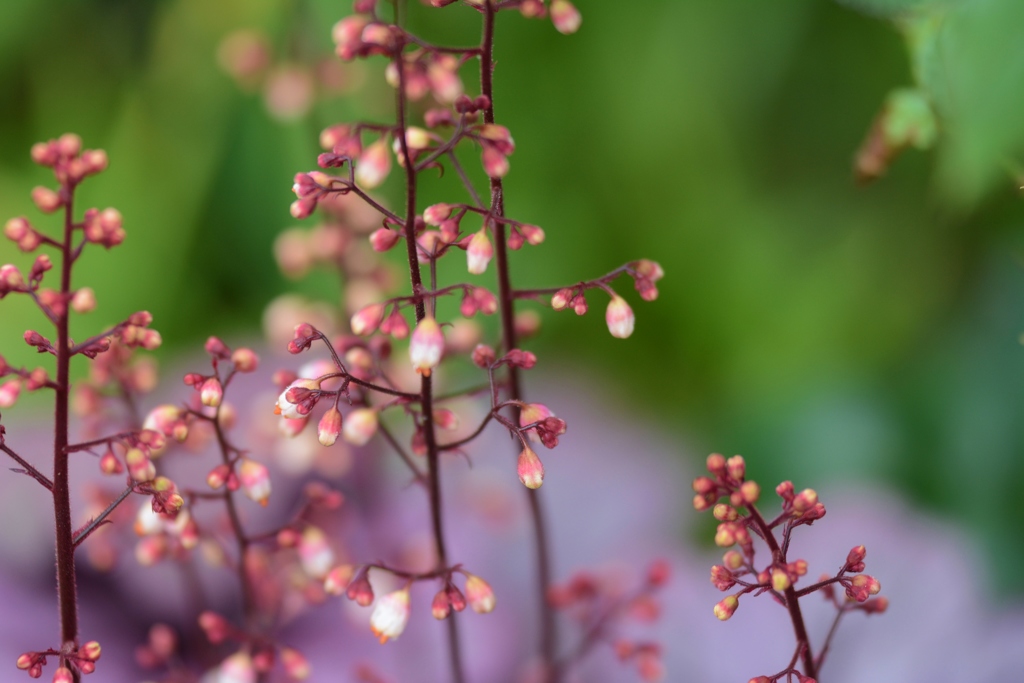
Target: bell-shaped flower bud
point(211, 393)
point(383, 239)
point(255, 480)
point(479, 252)
point(495, 163)
point(426, 346)
point(390, 615)
point(330, 427)
point(619, 317)
point(565, 16)
point(295, 664)
point(83, 300)
point(298, 399)
point(726, 607)
point(367, 319)
point(238, 668)
point(374, 165)
point(534, 234)
point(245, 360)
point(360, 426)
point(436, 214)
point(530, 468)
point(483, 356)
point(9, 392)
point(337, 580)
point(479, 594)
point(441, 606)
point(359, 590)
point(45, 199)
point(315, 553)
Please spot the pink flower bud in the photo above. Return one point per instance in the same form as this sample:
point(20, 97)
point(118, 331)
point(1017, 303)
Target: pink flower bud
point(359, 590)
point(90, 651)
point(426, 346)
point(337, 580)
point(9, 392)
point(533, 234)
point(295, 664)
point(722, 578)
point(479, 252)
point(805, 501)
point(140, 468)
point(383, 239)
point(347, 36)
point(218, 476)
point(360, 426)
point(565, 16)
point(255, 479)
point(579, 304)
point(367, 319)
point(211, 393)
point(63, 675)
point(445, 419)
point(780, 580)
point(716, 464)
point(495, 163)
point(84, 300)
point(298, 399)
point(315, 553)
point(214, 626)
point(856, 555)
point(436, 214)
point(619, 317)
point(45, 199)
point(109, 464)
point(245, 360)
point(561, 299)
point(530, 468)
point(725, 513)
point(238, 668)
point(479, 594)
point(373, 165)
point(10, 279)
point(441, 606)
point(390, 615)
point(726, 607)
point(483, 356)
point(395, 325)
point(330, 427)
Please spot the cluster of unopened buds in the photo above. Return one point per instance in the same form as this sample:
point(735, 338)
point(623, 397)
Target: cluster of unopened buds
point(81, 659)
point(740, 522)
point(600, 605)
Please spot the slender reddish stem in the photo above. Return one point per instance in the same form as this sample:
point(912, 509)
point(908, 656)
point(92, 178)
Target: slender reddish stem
point(547, 633)
point(426, 384)
point(792, 600)
point(67, 596)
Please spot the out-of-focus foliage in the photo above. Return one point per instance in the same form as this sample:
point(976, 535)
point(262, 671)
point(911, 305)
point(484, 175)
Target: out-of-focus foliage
point(815, 325)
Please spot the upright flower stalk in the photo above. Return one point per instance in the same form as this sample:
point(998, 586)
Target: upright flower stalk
point(71, 165)
point(417, 68)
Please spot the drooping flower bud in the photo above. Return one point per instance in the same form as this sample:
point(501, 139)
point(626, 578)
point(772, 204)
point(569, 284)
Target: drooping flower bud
point(211, 393)
point(565, 16)
point(295, 664)
point(479, 594)
point(255, 479)
point(726, 607)
point(426, 346)
point(374, 165)
point(390, 615)
point(367, 319)
point(330, 427)
point(383, 239)
point(238, 668)
point(479, 252)
point(360, 426)
point(83, 300)
point(315, 553)
point(619, 317)
point(245, 360)
point(531, 469)
point(359, 590)
point(441, 606)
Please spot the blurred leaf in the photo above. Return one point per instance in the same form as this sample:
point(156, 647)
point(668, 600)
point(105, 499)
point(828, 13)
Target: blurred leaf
point(888, 8)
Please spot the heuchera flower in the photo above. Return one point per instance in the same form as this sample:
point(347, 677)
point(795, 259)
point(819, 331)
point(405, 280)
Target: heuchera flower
point(360, 426)
point(479, 594)
point(531, 469)
point(426, 346)
point(390, 615)
point(255, 479)
point(479, 252)
point(619, 317)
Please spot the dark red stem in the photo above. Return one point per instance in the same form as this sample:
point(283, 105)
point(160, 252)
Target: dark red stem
point(792, 600)
point(426, 385)
point(66, 589)
point(547, 633)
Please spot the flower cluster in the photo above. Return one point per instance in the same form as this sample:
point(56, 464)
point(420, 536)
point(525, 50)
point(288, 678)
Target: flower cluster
point(129, 450)
point(740, 521)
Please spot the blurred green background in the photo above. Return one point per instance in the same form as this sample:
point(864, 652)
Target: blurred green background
point(825, 330)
